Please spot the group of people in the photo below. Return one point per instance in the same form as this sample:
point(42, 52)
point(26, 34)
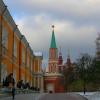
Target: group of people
point(21, 85)
point(10, 82)
point(26, 85)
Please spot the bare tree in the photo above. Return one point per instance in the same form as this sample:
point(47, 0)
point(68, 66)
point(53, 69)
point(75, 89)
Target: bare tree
point(84, 63)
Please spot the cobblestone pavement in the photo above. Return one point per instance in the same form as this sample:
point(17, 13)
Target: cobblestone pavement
point(62, 96)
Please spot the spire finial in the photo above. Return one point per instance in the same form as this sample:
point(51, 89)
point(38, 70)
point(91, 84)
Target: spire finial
point(53, 27)
point(53, 41)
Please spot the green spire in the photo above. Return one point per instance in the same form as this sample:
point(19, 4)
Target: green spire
point(53, 41)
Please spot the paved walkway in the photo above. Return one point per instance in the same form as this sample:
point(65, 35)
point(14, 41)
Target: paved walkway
point(44, 96)
point(34, 96)
point(62, 96)
point(95, 96)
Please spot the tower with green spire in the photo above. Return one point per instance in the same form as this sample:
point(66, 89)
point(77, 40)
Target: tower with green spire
point(53, 41)
point(53, 54)
point(52, 79)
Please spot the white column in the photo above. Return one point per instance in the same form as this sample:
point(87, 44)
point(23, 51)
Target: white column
point(42, 84)
point(38, 85)
point(34, 81)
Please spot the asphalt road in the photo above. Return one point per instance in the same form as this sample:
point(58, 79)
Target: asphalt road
point(56, 96)
point(62, 96)
point(33, 96)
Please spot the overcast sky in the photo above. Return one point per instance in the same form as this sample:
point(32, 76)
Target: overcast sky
point(76, 24)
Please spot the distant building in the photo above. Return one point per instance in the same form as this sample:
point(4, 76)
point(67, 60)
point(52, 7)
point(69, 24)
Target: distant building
point(37, 71)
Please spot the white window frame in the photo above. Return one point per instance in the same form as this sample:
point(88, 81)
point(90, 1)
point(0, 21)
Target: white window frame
point(5, 37)
point(23, 56)
point(15, 48)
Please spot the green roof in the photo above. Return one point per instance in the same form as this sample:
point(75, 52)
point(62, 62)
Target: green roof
point(53, 41)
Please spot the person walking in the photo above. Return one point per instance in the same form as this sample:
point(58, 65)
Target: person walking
point(13, 93)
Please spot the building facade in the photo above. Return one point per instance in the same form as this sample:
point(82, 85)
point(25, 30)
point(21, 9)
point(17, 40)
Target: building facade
point(16, 55)
point(37, 72)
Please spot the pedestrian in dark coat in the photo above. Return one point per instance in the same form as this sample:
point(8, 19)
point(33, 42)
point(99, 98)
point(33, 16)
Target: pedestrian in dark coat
point(13, 93)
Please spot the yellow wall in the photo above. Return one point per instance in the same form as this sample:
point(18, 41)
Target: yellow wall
point(14, 64)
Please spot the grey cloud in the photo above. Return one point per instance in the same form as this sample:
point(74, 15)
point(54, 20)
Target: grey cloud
point(79, 12)
point(76, 21)
point(67, 35)
point(75, 9)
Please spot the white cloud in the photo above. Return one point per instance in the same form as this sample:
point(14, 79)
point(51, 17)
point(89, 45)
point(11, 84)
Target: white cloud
point(76, 23)
point(83, 8)
point(38, 31)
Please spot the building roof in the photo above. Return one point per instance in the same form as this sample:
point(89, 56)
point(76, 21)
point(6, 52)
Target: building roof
point(53, 41)
point(38, 53)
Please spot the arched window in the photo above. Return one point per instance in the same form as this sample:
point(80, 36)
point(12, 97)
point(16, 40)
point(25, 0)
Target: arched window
point(5, 37)
point(23, 56)
point(15, 48)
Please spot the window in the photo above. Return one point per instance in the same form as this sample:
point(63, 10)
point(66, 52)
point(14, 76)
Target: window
point(4, 40)
point(15, 48)
point(23, 56)
point(27, 59)
point(5, 37)
point(31, 64)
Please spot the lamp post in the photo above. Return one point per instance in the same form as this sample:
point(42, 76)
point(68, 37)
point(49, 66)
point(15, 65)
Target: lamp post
point(1, 27)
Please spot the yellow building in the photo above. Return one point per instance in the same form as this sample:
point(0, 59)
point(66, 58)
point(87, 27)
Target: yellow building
point(16, 55)
point(37, 71)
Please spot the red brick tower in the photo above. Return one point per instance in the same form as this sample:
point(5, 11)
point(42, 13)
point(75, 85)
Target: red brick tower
point(53, 54)
point(53, 79)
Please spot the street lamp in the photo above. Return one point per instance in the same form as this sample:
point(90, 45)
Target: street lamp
point(1, 27)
